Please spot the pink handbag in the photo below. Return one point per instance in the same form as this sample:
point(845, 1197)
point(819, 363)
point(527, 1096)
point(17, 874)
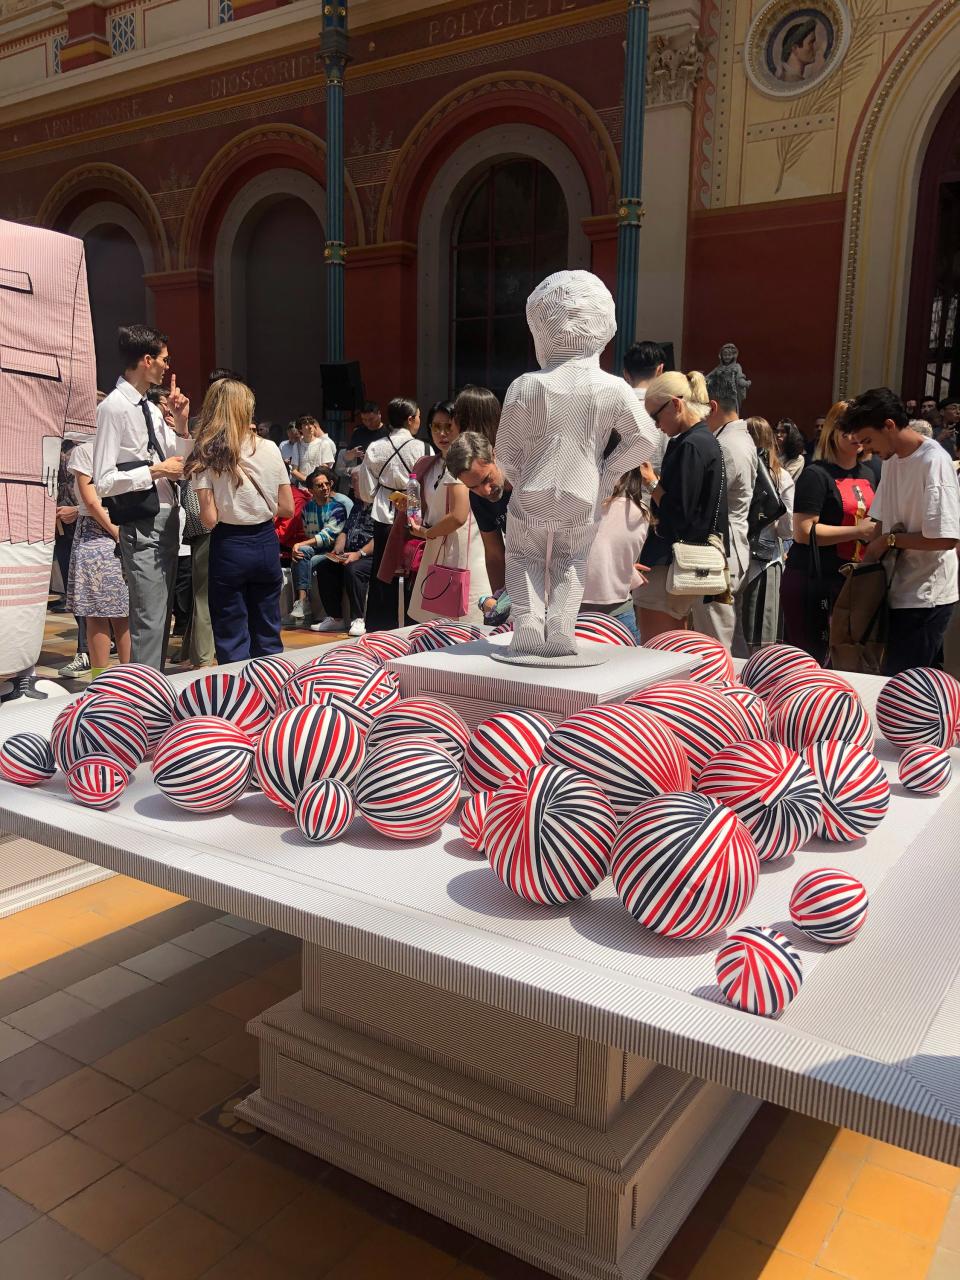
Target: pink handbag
point(447, 591)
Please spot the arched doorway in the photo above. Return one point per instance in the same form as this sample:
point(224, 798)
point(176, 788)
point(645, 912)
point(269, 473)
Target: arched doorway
point(512, 231)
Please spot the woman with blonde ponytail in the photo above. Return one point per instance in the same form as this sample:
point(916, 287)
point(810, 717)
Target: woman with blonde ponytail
point(689, 502)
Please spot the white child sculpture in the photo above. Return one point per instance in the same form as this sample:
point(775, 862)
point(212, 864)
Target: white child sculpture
point(555, 426)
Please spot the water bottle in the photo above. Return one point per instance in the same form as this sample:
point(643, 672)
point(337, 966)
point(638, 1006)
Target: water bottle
point(414, 512)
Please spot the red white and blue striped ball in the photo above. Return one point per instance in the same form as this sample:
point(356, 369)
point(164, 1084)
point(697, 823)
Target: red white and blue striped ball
point(714, 663)
point(601, 628)
point(408, 790)
point(628, 752)
point(227, 697)
point(759, 970)
point(768, 666)
point(268, 676)
point(472, 817)
point(97, 781)
point(441, 635)
point(203, 764)
point(345, 655)
point(701, 719)
point(324, 810)
point(773, 792)
point(548, 833)
point(751, 704)
point(27, 759)
point(921, 705)
point(304, 745)
point(856, 794)
point(504, 628)
point(384, 645)
point(149, 691)
point(804, 682)
point(825, 714)
point(829, 905)
point(502, 745)
point(924, 769)
point(421, 718)
point(371, 689)
point(99, 725)
point(684, 866)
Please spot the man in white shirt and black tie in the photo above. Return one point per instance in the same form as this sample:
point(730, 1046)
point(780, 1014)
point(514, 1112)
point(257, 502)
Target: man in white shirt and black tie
point(137, 463)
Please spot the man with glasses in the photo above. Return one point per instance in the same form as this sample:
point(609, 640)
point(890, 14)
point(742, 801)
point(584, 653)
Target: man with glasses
point(322, 518)
point(137, 463)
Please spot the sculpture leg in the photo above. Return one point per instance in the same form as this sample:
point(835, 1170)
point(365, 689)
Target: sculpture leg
point(525, 581)
point(567, 564)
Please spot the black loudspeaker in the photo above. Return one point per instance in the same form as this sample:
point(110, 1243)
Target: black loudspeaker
point(668, 357)
point(342, 386)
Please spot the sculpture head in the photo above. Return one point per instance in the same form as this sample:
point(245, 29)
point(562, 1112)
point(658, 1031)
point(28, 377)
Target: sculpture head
point(728, 353)
point(571, 314)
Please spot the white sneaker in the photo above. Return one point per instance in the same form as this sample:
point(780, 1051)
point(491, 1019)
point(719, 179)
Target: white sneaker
point(328, 624)
point(357, 627)
point(76, 667)
point(297, 616)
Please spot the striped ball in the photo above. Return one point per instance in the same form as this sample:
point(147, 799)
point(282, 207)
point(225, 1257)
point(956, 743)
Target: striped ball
point(629, 753)
point(149, 691)
point(324, 810)
point(823, 714)
point(26, 759)
point(203, 764)
point(361, 691)
point(304, 745)
point(769, 665)
point(804, 682)
point(99, 725)
point(714, 663)
point(829, 905)
point(751, 704)
point(441, 635)
point(97, 781)
point(855, 790)
point(385, 644)
point(925, 769)
point(504, 628)
point(502, 745)
point(226, 697)
point(759, 970)
point(601, 628)
point(408, 790)
point(472, 817)
point(773, 792)
point(548, 834)
point(421, 718)
point(268, 676)
point(920, 706)
point(345, 655)
point(701, 719)
point(684, 866)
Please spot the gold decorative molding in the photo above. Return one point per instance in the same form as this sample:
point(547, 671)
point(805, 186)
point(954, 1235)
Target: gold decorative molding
point(767, 129)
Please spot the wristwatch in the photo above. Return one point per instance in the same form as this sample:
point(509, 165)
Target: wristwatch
point(891, 539)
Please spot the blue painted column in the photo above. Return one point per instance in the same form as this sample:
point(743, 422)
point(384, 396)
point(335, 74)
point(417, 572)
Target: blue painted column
point(333, 50)
point(630, 208)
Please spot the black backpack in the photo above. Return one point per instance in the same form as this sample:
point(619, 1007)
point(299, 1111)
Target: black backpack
point(766, 505)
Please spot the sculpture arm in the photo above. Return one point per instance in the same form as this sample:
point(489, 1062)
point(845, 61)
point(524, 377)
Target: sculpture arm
point(638, 443)
point(511, 450)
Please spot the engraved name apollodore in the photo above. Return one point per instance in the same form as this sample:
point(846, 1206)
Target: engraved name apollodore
point(481, 18)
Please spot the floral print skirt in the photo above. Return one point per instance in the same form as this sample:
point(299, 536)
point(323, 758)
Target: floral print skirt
point(96, 588)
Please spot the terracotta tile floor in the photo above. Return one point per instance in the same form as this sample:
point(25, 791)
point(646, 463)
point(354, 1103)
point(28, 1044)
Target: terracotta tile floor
point(123, 1053)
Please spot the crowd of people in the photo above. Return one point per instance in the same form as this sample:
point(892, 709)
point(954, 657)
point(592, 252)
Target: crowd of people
point(206, 519)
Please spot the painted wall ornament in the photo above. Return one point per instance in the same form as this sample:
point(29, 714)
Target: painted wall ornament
point(792, 47)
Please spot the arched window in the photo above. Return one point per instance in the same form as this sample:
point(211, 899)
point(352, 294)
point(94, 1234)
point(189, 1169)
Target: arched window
point(512, 232)
point(115, 270)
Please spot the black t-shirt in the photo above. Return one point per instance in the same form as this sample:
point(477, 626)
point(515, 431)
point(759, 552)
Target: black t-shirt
point(362, 437)
point(834, 494)
point(694, 496)
point(491, 517)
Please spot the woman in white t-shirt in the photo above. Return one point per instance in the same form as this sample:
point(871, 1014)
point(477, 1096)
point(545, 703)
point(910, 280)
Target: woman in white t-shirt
point(242, 485)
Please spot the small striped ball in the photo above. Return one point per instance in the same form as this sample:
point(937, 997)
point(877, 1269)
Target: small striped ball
point(227, 697)
point(548, 833)
point(304, 745)
point(268, 676)
point(701, 719)
point(421, 718)
point(385, 644)
point(803, 682)
point(472, 817)
point(920, 706)
point(823, 714)
point(504, 628)
point(345, 655)
point(773, 792)
point(924, 769)
point(441, 635)
point(203, 764)
point(769, 665)
point(684, 866)
point(99, 725)
point(97, 781)
point(759, 970)
point(26, 759)
point(324, 810)
point(629, 753)
point(149, 691)
point(714, 663)
point(751, 704)
point(502, 745)
point(829, 905)
point(408, 790)
point(855, 790)
point(362, 691)
point(601, 628)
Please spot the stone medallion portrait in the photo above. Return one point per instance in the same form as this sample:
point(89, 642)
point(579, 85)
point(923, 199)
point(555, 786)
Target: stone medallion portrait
point(791, 47)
